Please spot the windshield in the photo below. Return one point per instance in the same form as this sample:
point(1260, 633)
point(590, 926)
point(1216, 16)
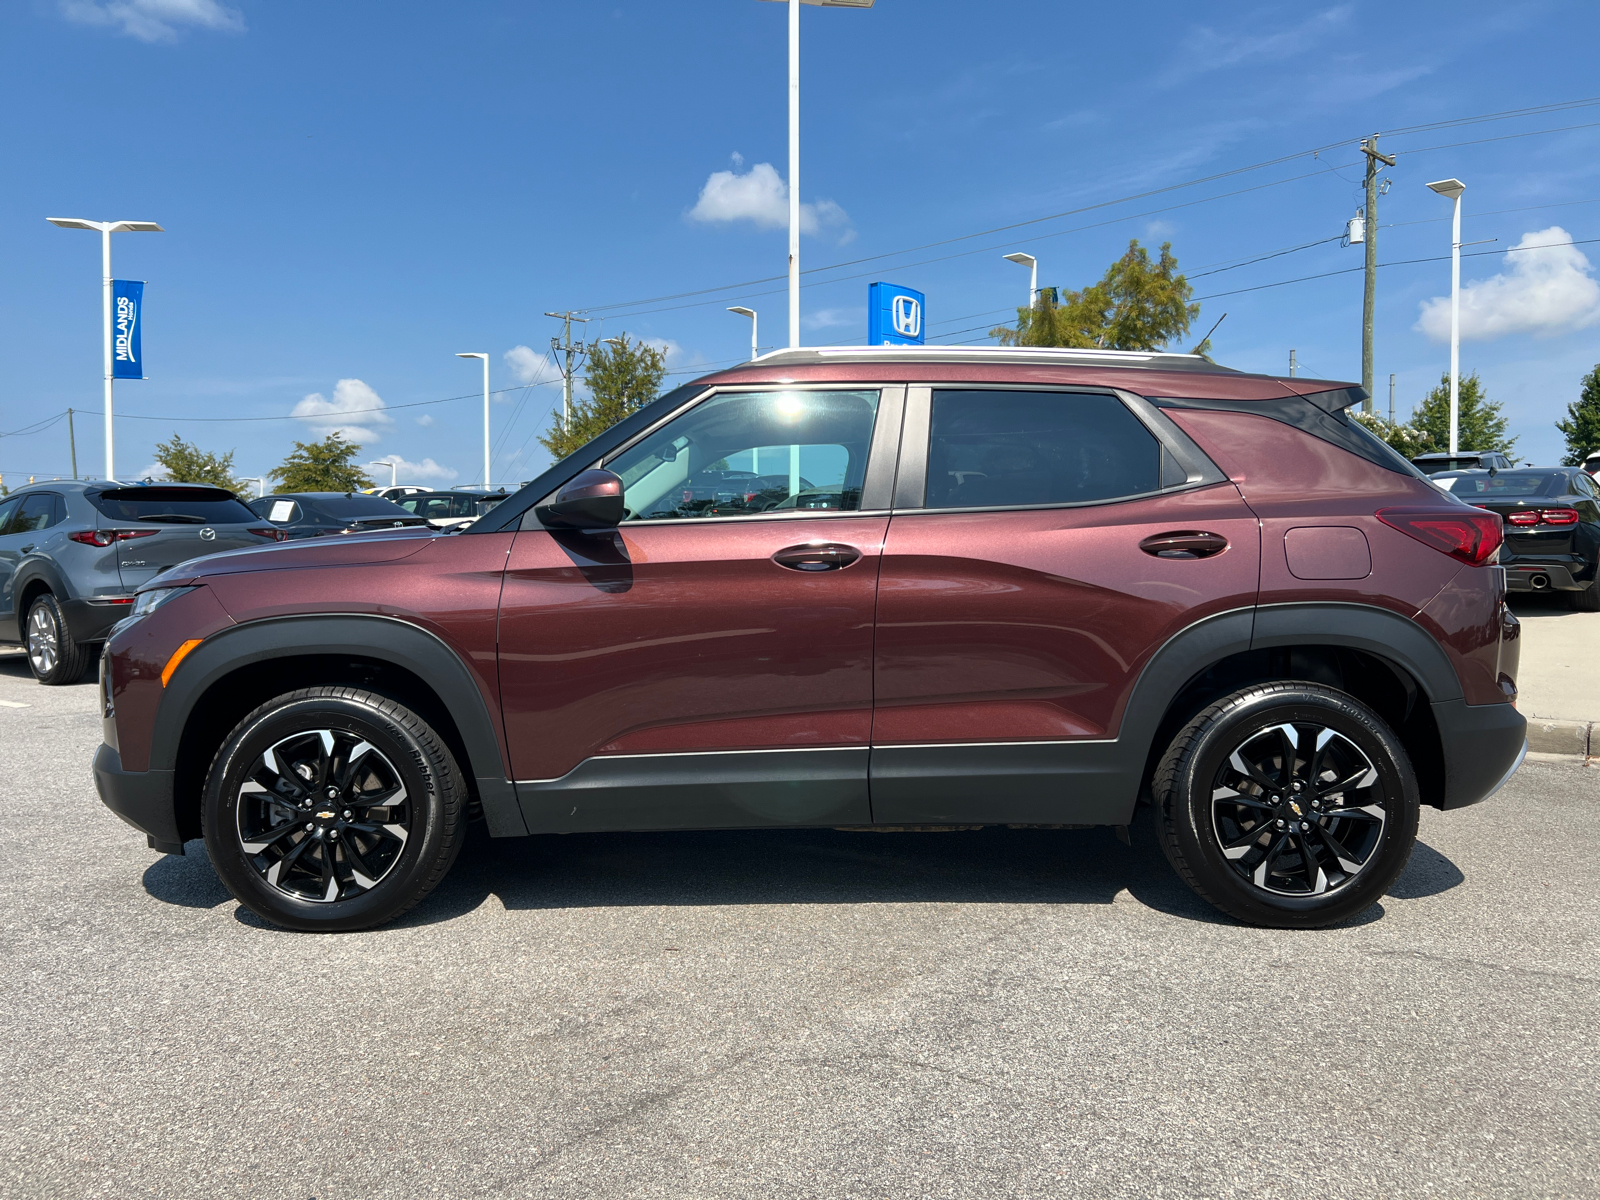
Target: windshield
point(1506, 484)
point(172, 506)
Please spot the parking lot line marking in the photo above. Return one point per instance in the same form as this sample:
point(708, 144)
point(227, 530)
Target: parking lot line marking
point(14, 704)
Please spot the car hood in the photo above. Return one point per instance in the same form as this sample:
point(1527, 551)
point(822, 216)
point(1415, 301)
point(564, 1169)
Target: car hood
point(348, 550)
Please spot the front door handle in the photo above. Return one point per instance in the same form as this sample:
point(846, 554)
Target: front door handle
point(1184, 544)
point(817, 556)
point(28, 549)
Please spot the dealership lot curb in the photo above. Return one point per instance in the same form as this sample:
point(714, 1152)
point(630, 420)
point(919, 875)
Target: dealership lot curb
point(1564, 739)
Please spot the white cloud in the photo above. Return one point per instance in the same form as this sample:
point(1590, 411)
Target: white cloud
point(356, 412)
point(1205, 49)
point(674, 352)
point(834, 318)
point(527, 364)
point(761, 197)
point(152, 471)
point(410, 472)
point(1542, 291)
point(425, 420)
point(154, 20)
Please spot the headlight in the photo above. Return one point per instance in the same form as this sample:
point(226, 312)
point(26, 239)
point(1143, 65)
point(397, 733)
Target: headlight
point(146, 603)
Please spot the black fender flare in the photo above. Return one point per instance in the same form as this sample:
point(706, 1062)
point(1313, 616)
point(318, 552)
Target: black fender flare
point(386, 639)
point(1380, 632)
point(34, 568)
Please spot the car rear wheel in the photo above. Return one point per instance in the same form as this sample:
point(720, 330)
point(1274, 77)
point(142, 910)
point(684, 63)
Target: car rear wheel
point(1587, 600)
point(54, 656)
point(1288, 804)
point(333, 809)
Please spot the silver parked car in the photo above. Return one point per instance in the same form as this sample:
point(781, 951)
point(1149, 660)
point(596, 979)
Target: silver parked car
point(72, 554)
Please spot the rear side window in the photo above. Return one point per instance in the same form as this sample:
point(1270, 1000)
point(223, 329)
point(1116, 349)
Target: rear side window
point(354, 507)
point(1488, 487)
point(40, 510)
point(172, 506)
point(7, 508)
point(1001, 449)
point(276, 509)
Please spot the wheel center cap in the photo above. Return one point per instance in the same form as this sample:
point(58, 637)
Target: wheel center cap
point(1295, 808)
point(324, 816)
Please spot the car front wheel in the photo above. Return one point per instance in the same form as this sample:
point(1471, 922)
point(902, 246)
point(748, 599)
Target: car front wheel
point(1288, 804)
point(332, 809)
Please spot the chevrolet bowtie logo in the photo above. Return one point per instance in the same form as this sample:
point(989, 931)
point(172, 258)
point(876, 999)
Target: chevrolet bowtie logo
point(1292, 805)
point(328, 816)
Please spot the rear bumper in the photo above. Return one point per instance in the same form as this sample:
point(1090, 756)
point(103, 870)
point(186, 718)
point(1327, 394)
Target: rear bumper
point(91, 620)
point(141, 798)
point(1483, 745)
point(1564, 575)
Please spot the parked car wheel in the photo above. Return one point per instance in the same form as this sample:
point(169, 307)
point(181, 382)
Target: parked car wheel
point(1289, 805)
point(1588, 600)
point(54, 656)
point(331, 809)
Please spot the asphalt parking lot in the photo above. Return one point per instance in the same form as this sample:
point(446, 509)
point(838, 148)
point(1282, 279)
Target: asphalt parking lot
point(1001, 1013)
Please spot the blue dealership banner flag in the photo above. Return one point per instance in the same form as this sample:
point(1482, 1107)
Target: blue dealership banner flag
point(127, 317)
point(894, 315)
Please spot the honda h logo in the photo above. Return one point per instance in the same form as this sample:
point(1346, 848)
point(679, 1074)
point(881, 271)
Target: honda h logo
point(907, 314)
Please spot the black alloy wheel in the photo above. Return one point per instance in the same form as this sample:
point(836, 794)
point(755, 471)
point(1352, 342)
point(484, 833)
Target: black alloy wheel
point(333, 809)
point(1288, 804)
point(54, 656)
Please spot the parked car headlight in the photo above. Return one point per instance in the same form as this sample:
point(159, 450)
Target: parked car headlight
point(146, 603)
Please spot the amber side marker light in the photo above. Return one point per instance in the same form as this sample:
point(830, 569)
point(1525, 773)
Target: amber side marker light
point(178, 655)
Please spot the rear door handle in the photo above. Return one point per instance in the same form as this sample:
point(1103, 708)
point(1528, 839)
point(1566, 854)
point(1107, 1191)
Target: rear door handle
point(817, 556)
point(28, 549)
point(1184, 544)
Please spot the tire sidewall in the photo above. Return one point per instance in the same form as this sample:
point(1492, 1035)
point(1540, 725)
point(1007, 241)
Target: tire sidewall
point(283, 718)
point(1251, 713)
point(66, 650)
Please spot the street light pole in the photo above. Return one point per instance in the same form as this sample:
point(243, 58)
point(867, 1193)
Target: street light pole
point(751, 313)
point(1451, 189)
point(485, 357)
point(1032, 263)
point(106, 229)
point(794, 153)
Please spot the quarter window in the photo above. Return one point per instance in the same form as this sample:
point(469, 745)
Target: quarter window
point(1002, 449)
point(744, 453)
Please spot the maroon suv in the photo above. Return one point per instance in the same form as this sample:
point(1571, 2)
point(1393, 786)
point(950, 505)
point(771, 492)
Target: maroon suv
point(859, 588)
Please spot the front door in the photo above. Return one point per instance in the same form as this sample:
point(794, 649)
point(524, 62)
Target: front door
point(709, 663)
point(1025, 584)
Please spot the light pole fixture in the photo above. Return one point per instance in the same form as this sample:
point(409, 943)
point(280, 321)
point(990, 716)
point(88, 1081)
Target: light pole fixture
point(794, 152)
point(485, 357)
point(751, 313)
point(1032, 263)
point(260, 482)
point(393, 463)
point(106, 229)
point(1451, 190)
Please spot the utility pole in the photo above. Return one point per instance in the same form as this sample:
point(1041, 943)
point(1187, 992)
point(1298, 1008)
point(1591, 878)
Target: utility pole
point(1370, 301)
point(72, 441)
point(1391, 397)
point(1292, 364)
point(564, 345)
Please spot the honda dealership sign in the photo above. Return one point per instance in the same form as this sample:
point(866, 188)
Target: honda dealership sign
point(127, 315)
point(895, 316)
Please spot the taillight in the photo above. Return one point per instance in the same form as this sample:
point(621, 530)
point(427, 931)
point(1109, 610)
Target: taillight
point(1560, 516)
point(104, 537)
point(276, 535)
point(1523, 516)
point(1472, 537)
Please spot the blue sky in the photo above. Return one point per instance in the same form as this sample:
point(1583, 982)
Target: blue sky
point(354, 192)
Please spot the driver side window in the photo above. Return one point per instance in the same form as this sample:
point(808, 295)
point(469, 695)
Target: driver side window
point(743, 453)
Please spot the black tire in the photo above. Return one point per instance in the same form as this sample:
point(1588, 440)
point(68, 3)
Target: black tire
point(1587, 600)
point(1312, 829)
point(54, 657)
point(315, 766)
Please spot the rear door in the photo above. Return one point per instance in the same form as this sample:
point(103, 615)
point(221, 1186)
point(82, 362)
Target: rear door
point(1044, 544)
point(709, 663)
point(10, 553)
point(174, 524)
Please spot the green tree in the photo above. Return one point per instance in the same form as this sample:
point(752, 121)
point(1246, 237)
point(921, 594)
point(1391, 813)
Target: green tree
point(184, 462)
point(1582, 425)
point(1408, 441)
point(622, 378)
point(1136, 305)
point(1480, 425)
point(323, 466)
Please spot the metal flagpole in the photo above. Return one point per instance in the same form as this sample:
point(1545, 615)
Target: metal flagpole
point(794, 174)
point(105, 307)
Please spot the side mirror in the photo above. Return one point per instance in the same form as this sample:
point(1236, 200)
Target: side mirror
point(589, 500)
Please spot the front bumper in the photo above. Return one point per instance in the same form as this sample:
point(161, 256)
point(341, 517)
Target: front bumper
point(1483, 744)
point(141, 798)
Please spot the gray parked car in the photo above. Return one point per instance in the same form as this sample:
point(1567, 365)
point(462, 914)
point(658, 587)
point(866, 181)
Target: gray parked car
point(72, 554)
